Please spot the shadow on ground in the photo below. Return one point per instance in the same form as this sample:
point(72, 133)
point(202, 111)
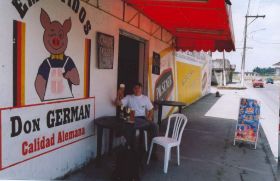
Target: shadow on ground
point(207, 153)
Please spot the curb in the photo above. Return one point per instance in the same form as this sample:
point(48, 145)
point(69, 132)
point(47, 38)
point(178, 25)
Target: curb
point(231, 88)
point(269, 155)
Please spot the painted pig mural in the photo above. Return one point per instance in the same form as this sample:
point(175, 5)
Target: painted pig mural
point(58, 72)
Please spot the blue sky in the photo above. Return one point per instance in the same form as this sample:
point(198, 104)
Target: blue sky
point(263, 34)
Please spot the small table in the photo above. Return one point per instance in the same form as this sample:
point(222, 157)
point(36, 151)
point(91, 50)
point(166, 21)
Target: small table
point(180, 105)
point(112, 123)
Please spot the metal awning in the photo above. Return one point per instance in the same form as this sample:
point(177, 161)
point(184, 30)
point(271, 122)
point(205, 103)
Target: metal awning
point(196, 24)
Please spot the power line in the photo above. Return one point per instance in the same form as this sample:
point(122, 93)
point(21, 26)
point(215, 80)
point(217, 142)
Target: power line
point(259, 6)
point(255, 3)
point(272, 43)
point(248, 8)
point(263, 42)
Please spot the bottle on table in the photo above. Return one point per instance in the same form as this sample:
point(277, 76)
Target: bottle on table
point(132, 115)
point(121, 114)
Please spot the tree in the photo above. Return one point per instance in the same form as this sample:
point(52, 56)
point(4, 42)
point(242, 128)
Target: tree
point(264, 71)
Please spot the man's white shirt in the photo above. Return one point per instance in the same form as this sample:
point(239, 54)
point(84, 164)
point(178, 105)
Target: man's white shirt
point(137, 103)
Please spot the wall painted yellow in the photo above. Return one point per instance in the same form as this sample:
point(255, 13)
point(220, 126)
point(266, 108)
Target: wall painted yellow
point(188, 82)
point(162, 53)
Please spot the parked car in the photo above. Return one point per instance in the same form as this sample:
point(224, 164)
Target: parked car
point(258, 83)
point(269, 81)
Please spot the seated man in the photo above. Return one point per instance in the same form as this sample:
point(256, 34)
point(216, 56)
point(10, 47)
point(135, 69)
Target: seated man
point(143, 109)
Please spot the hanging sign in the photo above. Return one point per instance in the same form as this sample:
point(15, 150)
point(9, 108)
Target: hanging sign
point(105, 51)
point(247, 127)
point(156, 63)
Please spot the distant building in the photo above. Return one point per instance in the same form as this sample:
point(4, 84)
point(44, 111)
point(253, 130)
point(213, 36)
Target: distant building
point(251, 74)
point(247, 75)
point(277, 68)
point(217, 71)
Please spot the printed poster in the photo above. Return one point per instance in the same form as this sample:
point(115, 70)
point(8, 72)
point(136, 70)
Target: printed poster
point(248, 121)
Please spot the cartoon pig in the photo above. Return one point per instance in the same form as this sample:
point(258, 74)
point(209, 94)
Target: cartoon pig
point(58, 72)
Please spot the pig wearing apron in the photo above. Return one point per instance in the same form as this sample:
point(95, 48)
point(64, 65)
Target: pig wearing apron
point(57, 73)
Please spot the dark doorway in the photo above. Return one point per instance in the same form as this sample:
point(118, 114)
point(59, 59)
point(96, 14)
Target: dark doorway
point(130, 67)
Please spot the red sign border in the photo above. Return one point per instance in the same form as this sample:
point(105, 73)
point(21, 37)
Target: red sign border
point(32, 105)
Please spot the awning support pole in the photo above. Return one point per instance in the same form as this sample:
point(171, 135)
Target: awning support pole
point(224, 70)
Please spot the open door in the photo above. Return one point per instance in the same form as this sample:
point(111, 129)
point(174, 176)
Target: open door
point(132, 67)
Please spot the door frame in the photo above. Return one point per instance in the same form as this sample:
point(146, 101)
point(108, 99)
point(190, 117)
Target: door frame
point(143, 58)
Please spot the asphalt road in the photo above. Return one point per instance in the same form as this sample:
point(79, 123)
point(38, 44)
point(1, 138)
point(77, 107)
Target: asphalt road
point(269, 95)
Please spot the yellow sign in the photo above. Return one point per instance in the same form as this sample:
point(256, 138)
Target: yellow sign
point(188, 82)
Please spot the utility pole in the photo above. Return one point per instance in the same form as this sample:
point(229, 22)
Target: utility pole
point(245, 42)
point(224, 70)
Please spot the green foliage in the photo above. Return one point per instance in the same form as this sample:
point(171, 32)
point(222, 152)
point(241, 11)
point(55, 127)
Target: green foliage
point(264, 71)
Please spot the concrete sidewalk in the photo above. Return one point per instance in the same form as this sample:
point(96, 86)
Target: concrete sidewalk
point(207, 152)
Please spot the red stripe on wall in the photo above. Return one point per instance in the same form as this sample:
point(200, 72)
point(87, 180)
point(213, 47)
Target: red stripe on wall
point(87, 67)
point(87, 92)
point(19, 64)
point(22, 68)
point(89, 56)
point(19, 53)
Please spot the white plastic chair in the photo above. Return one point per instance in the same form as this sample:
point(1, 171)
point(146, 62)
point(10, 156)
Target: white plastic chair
point(169, 142)
point(145, 137)
point(146, 141)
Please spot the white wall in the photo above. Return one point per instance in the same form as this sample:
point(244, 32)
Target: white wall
point(107, 18)
point(103, 82)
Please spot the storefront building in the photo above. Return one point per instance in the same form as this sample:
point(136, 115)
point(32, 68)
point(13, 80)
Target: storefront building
point(277, 68)
point(62, 62)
